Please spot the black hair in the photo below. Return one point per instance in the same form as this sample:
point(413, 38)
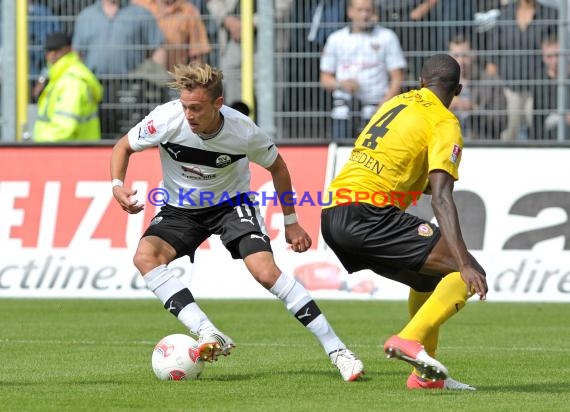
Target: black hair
point(443, 71)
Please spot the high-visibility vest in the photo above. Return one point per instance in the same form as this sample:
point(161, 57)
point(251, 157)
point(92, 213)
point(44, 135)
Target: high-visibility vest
point(68, 106)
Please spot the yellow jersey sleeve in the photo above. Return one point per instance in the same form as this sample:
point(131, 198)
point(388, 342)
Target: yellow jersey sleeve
point(445, 146)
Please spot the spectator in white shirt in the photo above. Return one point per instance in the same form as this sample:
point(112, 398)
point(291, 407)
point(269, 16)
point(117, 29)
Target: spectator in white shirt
point(363, 65)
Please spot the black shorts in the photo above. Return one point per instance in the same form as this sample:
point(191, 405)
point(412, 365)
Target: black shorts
point(386, 240)
point(239, 224)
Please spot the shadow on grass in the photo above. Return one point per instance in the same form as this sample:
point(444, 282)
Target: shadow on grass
point(302, 374)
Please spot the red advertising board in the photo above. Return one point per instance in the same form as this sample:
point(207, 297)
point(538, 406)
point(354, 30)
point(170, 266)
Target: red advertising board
point(307, 166)
point(53, 196)
point(60, 197)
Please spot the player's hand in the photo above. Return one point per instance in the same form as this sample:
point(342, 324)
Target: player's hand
point(476, 282)
point(123, 197)
point(296, 236)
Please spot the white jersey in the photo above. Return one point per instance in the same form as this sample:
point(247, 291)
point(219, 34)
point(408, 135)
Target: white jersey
point(201, 173)
point(367, 57)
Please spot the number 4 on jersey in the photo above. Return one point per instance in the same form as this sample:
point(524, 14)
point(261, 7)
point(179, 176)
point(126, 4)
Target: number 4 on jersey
point(381, 127)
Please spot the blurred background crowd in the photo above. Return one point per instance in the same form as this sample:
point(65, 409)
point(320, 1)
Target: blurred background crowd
point(331, 63)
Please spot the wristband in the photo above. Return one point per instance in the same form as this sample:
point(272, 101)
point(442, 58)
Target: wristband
point(290, 219)
point(117, 182)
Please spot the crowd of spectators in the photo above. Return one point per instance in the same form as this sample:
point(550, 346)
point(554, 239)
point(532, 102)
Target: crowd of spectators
point(508, 51)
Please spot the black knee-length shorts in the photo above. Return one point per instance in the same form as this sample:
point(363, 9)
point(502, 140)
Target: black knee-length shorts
point(239, 224)
point(386, 240)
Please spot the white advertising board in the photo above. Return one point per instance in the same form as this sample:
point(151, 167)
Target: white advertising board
point(61, 235)
point(514, 207)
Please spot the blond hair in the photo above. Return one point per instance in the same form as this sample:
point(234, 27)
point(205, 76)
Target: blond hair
point(196, 75)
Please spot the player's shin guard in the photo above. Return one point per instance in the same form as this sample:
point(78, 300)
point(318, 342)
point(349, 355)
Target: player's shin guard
point(177, 299)
point(447, 299)
point(303, 307)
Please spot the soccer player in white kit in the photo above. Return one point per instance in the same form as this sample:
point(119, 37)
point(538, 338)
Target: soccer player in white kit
point(206, 147)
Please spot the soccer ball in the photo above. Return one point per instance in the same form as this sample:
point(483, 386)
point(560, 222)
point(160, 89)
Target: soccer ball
point(176, 358)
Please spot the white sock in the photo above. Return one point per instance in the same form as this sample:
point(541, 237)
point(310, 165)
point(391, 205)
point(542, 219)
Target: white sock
point(301, 305)
point(161, 282)
point(166, 286)
point(195, 319)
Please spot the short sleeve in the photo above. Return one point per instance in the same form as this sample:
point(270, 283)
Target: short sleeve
point(329, 59)
point(395, 59)
point(152, 130)
point(262, 149)
point(445, 147)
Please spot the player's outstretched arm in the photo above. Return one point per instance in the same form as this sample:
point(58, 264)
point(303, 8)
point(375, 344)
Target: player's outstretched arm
point(294, 234)
point(119, 162)
point(445, 211)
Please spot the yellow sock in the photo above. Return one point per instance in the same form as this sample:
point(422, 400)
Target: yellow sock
point(415, 301)
point(447, 299)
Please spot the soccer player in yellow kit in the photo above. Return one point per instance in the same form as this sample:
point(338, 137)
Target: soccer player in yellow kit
point(411, 145)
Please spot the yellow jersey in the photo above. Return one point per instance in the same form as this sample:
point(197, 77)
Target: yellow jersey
point(409, 136)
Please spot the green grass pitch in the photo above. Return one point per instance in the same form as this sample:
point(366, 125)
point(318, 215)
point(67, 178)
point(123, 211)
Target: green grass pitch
point(94, 355)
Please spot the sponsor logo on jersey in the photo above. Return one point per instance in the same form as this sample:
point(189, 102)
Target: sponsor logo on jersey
point(195, 173)
point(455, 153)
point(425, 230)
point(193, 169)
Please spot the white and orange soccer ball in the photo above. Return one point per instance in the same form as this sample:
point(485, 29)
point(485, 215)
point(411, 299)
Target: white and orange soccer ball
point(176, 358)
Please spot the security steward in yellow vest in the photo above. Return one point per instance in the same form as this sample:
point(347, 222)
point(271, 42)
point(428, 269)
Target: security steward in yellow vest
point(68, 105)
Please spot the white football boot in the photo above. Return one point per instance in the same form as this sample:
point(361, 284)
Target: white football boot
point(350, 367)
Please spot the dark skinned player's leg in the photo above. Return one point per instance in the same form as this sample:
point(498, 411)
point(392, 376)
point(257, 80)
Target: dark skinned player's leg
point(429, 311)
